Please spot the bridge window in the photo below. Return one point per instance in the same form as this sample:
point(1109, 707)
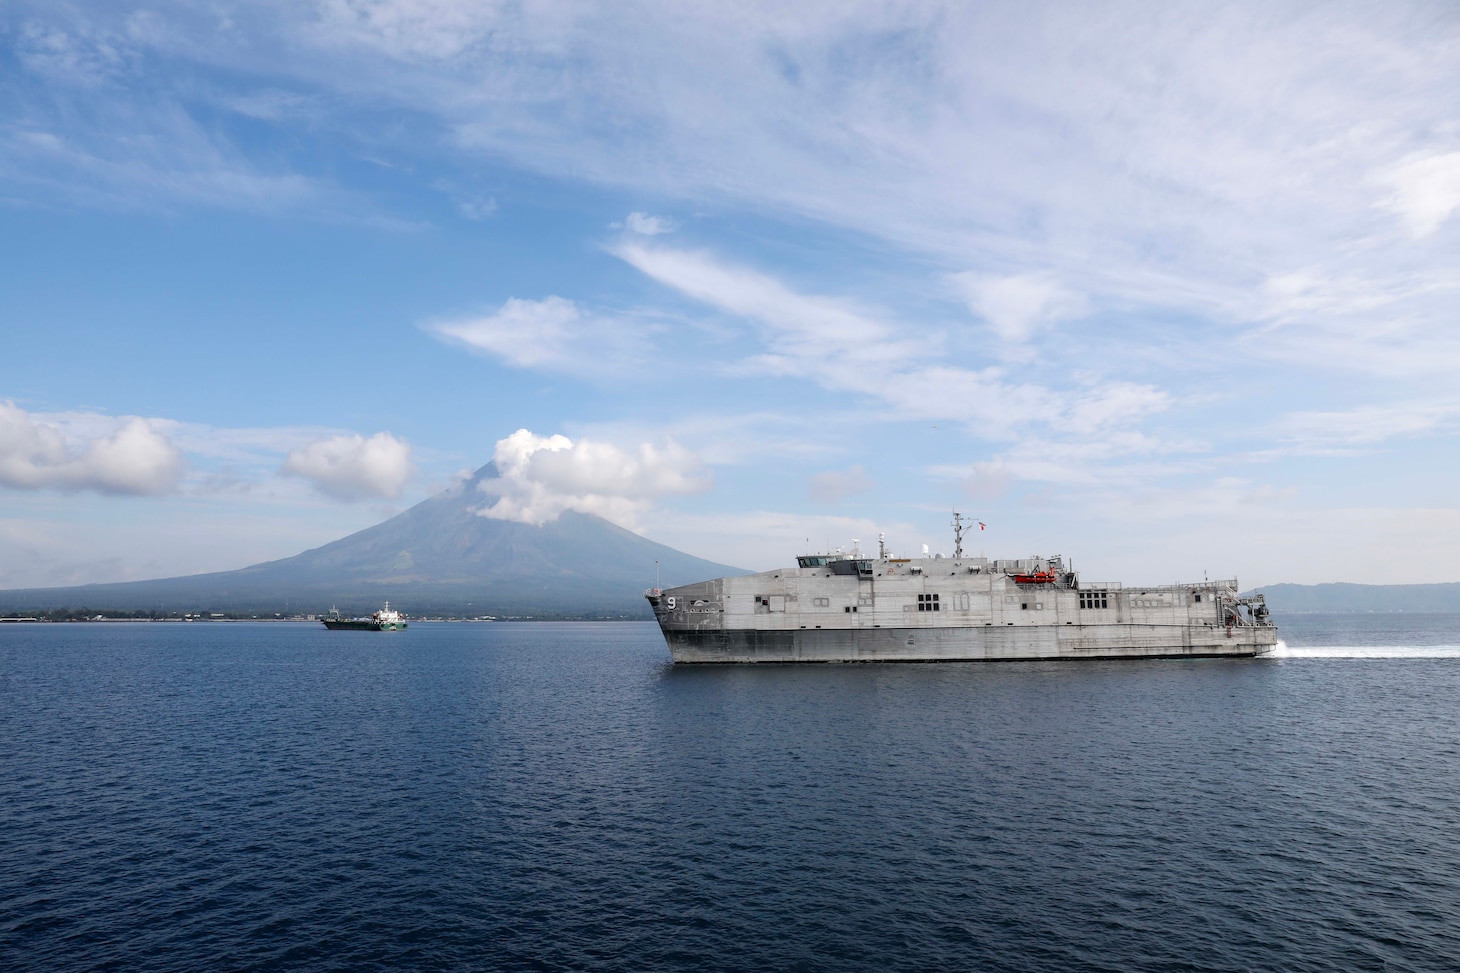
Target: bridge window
point(1094, 599)
point(928, 603)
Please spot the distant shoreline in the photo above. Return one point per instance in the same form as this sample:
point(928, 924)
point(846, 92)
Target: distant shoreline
point(30, 620)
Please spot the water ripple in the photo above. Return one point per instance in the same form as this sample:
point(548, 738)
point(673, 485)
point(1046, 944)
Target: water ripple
point(555, 797)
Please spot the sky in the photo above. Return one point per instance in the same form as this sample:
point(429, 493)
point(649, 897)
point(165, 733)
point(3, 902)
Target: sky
point(1168, 289)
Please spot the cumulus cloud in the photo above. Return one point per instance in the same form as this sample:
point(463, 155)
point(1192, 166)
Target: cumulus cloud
point(132, 458)
point(351, 467)
point(539, 477)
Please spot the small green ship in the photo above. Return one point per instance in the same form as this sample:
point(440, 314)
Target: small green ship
point(384, 620)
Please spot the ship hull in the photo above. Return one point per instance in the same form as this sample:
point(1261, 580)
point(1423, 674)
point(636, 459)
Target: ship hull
point(952, 610)
point(981, 644)
point(362, 625)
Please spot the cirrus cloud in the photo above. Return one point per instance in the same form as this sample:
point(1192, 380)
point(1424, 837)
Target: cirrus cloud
point(1426, 191)
point(554, 334)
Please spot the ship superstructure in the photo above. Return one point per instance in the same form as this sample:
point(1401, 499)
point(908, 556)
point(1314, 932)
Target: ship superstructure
point(846, 607)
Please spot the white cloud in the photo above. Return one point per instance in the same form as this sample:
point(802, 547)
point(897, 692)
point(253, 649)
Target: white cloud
point(1426, 191)
point(829, 339)
point(1155, 162)
point(1114, 404)
point(982, 399)
point(410, 30)
point(1018, 306)
point(540, 477)
point(195, 168)
point(524, 333)
point(477, 208)
point(131, 458)
point(733, 439)
point(553, 334)
point(766, 539)
point(844, 347)
point(1370, 424)
point(834, 486)
point(646, 225)
point(68, 58)
point(272, 104)
point(988, 480)
point(351, 467)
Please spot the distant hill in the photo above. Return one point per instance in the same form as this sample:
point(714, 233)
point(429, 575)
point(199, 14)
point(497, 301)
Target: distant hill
point(1342, 597)
point(439, 557)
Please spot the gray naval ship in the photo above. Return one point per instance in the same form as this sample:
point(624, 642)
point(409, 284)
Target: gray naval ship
point(845, 607)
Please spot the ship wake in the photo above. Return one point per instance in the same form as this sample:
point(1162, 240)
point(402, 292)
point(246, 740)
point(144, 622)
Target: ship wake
point(1285, 651)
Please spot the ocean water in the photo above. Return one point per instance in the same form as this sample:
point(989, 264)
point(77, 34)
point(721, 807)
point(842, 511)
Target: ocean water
point(560, 797)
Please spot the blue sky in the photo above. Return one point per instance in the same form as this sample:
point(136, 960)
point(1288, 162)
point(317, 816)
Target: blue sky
point(1164, 290)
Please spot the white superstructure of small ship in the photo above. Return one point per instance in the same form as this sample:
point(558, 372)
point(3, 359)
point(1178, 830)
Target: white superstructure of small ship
point(846, 607)
point(386, 619)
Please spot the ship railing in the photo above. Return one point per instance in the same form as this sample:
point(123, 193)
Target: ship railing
point(1198, 585)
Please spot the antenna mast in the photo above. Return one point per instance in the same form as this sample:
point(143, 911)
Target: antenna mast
point(957, 534)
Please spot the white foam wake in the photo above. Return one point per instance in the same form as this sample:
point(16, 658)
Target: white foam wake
point(1285, 651)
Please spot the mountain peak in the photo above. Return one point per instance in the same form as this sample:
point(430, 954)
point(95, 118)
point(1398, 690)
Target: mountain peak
point(440, 556)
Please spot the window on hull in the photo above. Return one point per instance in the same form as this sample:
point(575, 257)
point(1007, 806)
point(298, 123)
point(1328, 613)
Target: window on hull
point(928, 603)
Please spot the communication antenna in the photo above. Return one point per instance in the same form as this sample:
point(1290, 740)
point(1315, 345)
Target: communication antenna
point(957, 534)
point(881, 546)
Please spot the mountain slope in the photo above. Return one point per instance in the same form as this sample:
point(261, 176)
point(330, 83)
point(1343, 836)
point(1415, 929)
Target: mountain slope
point(1342, 597)
point(439, 556)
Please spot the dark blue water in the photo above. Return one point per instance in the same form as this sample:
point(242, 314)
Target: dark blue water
point(557, 796)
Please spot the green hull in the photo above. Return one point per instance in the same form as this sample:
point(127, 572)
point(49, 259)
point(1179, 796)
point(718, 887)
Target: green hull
point(362, 625)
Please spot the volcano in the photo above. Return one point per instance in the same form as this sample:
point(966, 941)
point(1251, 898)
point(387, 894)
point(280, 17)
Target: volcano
point(440, 557)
